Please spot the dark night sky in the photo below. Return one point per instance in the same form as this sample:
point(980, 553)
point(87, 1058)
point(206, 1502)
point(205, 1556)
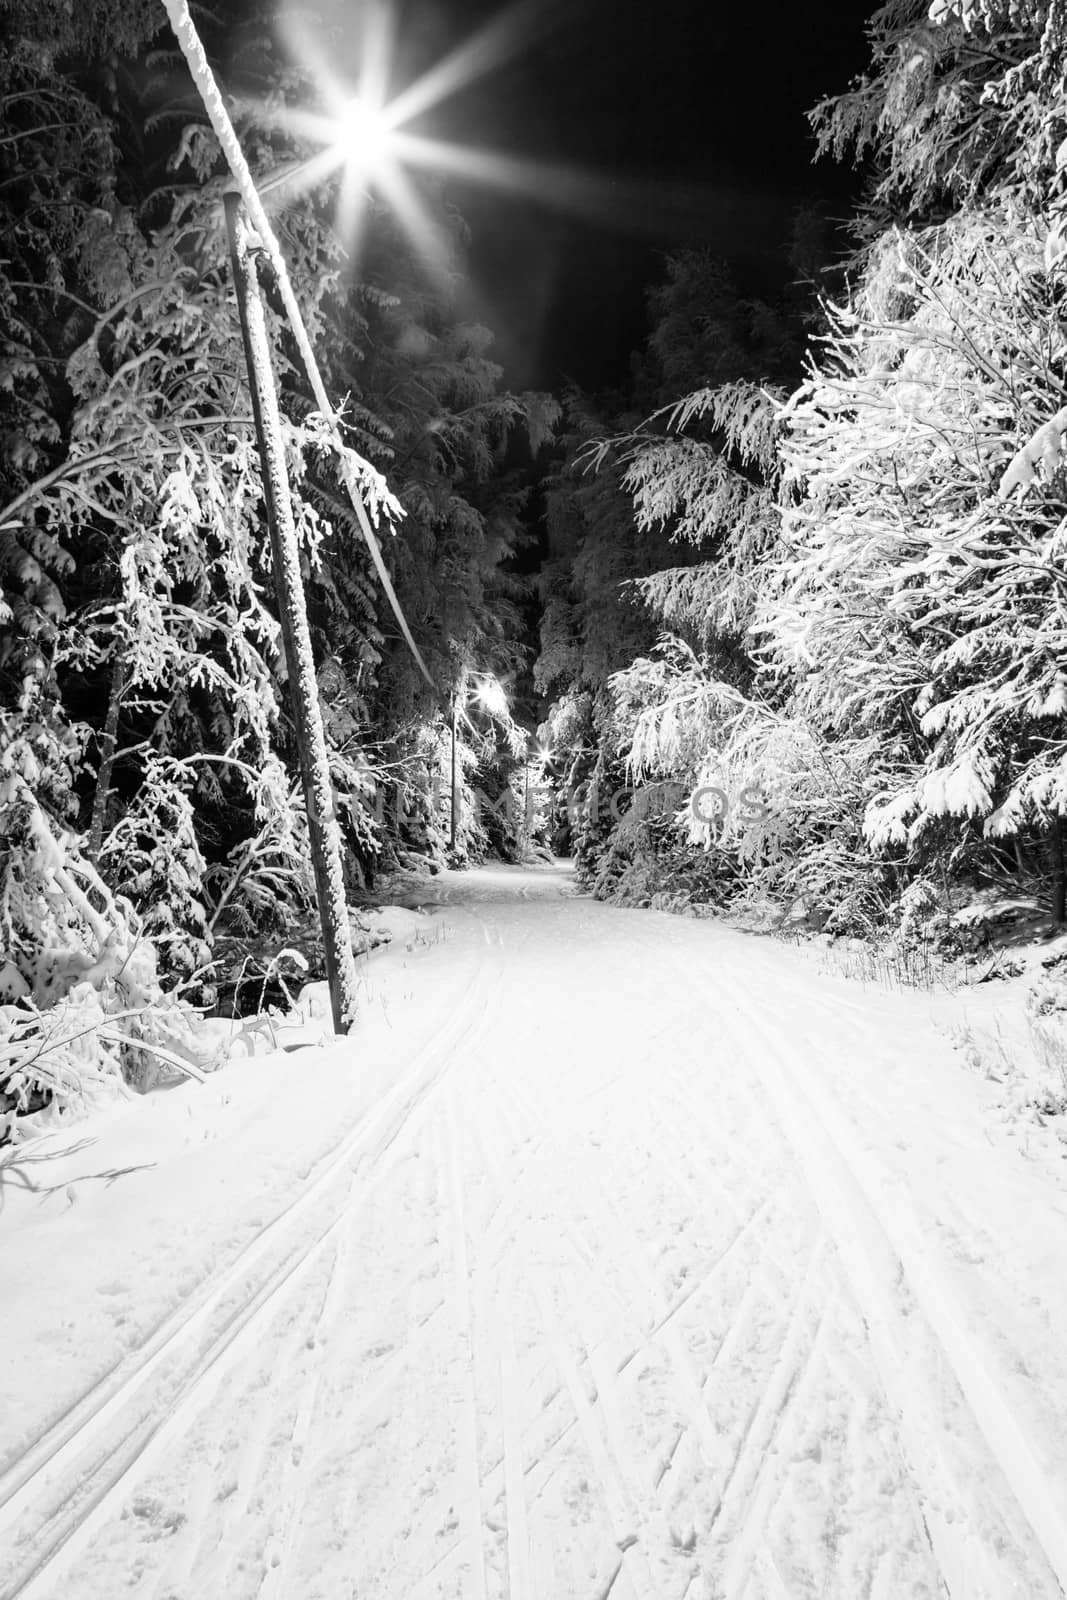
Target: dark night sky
point(690, 116)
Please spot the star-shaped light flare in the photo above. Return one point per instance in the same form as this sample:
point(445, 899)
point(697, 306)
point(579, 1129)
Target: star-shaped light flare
point(365, 133)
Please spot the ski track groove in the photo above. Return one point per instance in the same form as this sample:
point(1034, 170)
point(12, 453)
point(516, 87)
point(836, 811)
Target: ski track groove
point(262, 1417)
point(295, 1472)
point(668, 1313)
point(624, 1244)
point(630, 1502)
point(616, 1498)
point(666, 1331)
point(507, 1196)
point(621, 1515)
point(146, 1443)
point(116, 1385)
point(756, 1476)
point(188, 1542)
point(470, 1482)
point(769, 1573)
point(787, 1383)
point(655, 1531)
point(443, 1143)
point(624, 1247)
point(505, 1478)
point(175, 1328)
point(834, 1172)
point(518, 1533)
point(99, 1484)
point(666, 1462)
point(306, 1334)
point(863, 1228)
point(746, 1471)
point(716, 1157)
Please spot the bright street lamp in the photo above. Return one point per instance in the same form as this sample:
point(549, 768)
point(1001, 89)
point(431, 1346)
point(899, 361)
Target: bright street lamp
point(540, 756)
point(491, 694)
point(358, 142)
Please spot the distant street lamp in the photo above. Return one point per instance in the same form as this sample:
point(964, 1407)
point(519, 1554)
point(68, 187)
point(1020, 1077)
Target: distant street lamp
point(489, 693)
point(454, 801)
point(541, 755)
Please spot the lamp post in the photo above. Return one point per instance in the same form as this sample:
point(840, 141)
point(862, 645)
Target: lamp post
point(455, 786)
point(540, 756)
point(492, 696)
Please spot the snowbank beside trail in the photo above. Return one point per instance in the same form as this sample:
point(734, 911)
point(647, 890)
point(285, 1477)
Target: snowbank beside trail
point(399, 924)
point(1004, 1011)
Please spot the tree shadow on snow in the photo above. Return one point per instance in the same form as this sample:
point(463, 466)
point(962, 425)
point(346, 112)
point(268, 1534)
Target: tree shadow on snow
point(16, 1160)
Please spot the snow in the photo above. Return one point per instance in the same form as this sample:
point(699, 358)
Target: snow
point(613, 1254)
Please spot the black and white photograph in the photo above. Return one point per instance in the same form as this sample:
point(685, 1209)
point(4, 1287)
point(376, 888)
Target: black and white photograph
point(533, 800)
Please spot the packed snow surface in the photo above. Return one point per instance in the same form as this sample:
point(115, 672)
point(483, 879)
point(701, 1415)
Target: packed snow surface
point(613, 1254)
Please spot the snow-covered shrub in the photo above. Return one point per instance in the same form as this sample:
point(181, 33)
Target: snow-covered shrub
point(918, 910)
point(265, 878)
point(776, 809)
point(57, 1056)
point(154, 854)
point(647, 862)
point(83, 1009)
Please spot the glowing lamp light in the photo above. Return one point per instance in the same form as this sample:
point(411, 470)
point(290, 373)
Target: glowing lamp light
point(373, 140)
point(364, 135)
point(491, 695)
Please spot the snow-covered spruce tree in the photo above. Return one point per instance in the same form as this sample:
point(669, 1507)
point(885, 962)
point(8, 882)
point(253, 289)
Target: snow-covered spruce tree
point(768, 809)
point(932, 695)
point(66, 938)
point(962, 98)
point(700, 713)
point(155, 494)
point(131, 543)
point(917, 605)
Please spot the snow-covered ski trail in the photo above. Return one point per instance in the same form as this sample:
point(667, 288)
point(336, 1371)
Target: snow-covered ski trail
point(661, 1269)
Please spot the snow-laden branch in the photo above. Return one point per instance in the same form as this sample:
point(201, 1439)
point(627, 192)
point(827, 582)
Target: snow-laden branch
point(1043, 450)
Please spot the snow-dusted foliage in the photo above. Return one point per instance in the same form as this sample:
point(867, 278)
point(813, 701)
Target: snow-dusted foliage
point(916, 602)
point(716, 489)
point(864, 674)
point(774, 806)
point(959, 101)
